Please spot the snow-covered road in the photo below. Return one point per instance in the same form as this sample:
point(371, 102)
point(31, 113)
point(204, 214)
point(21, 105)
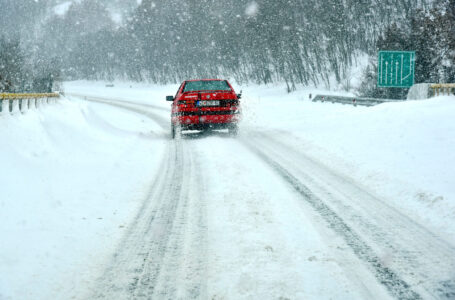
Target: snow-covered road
point(378, 248)
point(220, 223)
point(253, 217)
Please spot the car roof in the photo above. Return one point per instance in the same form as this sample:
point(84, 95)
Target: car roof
point(205, 80)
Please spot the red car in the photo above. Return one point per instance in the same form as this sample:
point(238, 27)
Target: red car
point(205, 104)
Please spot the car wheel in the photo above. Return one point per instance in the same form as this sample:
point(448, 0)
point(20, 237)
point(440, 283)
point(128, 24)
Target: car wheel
point(233, 130)
point(173, 131)
point(176, 131)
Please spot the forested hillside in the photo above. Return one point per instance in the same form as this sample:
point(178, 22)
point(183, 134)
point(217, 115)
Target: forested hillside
point(293, 41)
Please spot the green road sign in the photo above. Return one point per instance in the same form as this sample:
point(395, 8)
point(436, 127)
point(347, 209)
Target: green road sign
point(396, 68)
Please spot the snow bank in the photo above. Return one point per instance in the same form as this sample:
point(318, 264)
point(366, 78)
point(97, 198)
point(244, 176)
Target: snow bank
point(419, 91)
point(72, 176)
point(403, 151)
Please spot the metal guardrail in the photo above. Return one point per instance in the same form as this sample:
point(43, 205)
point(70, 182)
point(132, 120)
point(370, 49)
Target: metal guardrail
point(21, 102)
point(352, 100)
point(444, 88)
point(28, 96)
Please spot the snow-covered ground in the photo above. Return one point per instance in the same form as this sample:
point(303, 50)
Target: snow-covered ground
point(75, 177)
point(403, 151)
point(67, 194)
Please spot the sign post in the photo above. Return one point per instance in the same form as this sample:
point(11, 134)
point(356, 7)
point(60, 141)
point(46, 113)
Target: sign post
point(396, 68)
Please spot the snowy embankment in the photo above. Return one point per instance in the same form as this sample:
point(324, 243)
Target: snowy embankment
point(404, 152)
point(67, 193)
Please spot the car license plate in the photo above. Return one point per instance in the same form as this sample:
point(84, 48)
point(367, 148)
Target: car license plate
point(208, 103)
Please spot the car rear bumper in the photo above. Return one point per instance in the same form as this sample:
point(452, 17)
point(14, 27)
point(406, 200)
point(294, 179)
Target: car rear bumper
point(202, 121)
point(206, 126)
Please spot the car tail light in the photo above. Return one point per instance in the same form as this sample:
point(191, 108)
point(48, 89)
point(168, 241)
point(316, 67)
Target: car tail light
point(186, 102)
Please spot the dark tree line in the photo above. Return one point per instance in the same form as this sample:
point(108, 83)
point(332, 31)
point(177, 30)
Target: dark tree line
point(300, 42)
point(262, 41)
point(431, 33)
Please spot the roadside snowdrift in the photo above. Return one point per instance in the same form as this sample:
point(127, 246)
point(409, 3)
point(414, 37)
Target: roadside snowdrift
point(67, 192)
point(404, 152)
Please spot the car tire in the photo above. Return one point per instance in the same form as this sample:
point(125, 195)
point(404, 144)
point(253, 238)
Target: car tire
point(233, 130)
point(176, 131)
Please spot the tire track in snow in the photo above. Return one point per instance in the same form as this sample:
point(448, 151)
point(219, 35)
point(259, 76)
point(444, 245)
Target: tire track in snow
point(423, 266)
point(396, 286)
point(185, 273)
point(163, 253)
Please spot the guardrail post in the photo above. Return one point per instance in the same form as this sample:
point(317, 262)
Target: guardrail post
point(444, 88)
point(5, 106)
point(23, 105)
point(15, 106)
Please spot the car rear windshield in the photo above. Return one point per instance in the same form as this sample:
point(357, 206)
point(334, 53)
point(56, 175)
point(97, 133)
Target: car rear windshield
point(206, 85)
